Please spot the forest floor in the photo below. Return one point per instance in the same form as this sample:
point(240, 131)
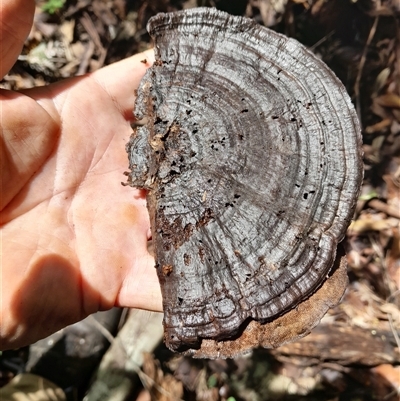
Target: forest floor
point(354, 354)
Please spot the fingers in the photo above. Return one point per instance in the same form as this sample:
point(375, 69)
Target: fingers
point(27, 136)
point(18, 147)
point(69, 141)
point(119, 81)
point(16, 17)
point(103, 100)
point(141, 288)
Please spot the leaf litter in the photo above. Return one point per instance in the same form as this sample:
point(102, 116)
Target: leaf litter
point(354, 352)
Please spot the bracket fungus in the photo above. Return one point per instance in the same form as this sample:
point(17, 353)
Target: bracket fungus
point(251, 156)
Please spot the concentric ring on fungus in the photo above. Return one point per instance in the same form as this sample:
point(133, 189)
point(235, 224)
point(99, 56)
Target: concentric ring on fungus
point(251, 156)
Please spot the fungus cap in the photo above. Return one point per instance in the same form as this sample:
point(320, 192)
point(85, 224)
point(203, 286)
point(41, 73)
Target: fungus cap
point(252, 159)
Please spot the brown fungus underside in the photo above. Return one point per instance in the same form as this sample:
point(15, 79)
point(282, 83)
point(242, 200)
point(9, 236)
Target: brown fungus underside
point(251, 156)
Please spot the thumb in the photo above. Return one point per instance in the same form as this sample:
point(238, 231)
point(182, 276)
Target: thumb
point(16, 17)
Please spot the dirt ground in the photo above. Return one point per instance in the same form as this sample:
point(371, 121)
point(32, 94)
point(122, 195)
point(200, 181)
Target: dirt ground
point(354, 354)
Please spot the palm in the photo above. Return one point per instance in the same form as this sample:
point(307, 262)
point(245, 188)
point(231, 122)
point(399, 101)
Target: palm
point(73, 238)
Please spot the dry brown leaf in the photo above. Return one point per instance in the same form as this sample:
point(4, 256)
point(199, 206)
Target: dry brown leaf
point(380, 206)
point(67, 31)
point(393, 259)
point(144, 395)
point(378, 127)
point(389, 100)
point(162, 387)
point(390, 373)
point(356, 260)
point(393, 311)
point(381, 79)
point(379, 110)
point(396, 114)
point(173, 389)
point(364, 309)
point(364, 225)
point(203, 393)
point(393, 188)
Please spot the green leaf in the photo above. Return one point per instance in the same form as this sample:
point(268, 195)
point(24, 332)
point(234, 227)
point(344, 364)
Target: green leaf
point(369, 196)
point(212, 381)
point(52, 6)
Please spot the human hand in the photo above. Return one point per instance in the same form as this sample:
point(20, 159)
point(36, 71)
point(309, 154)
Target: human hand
point(74, 240)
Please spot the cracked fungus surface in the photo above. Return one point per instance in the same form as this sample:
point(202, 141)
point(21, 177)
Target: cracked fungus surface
point(252, 158)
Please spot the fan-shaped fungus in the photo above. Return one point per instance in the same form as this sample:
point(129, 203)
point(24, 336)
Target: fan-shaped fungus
point(252, 161)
